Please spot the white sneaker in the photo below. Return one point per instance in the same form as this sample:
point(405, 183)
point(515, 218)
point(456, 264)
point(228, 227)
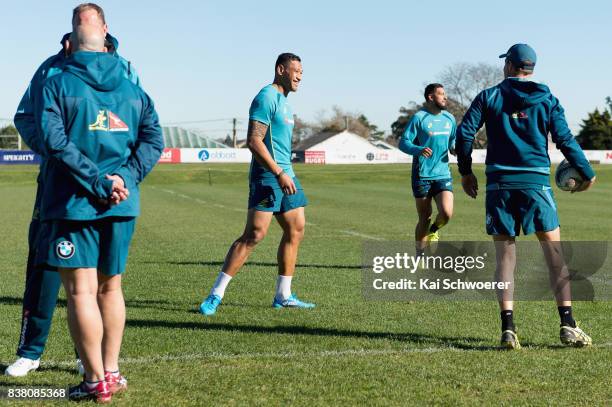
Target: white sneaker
point(80, 367)
point(22, 367)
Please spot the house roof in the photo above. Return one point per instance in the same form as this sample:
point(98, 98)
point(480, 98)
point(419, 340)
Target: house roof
point(179, 137)
point(314, 140)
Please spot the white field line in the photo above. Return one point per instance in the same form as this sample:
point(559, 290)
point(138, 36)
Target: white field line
point(375, 170)
point(221, 206)
point(288, 355)
point(364, 236)
point(197, 200)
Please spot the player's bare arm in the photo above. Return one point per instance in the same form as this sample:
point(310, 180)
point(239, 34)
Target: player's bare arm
point(255, 141)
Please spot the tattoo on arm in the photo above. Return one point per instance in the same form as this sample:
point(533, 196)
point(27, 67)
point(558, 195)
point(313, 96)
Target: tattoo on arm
point(257, 129)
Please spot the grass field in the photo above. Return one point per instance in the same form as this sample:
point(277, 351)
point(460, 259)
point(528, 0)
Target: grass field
point(345, 352)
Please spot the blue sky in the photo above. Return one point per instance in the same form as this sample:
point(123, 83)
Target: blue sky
point(203, 60)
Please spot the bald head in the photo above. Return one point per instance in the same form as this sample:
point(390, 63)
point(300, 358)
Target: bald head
point(88, 28)
point(88, 38)
point(88, 14)
point(88, 25)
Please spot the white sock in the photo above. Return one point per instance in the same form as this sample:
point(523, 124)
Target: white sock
point(220, 284)
point(283, 287)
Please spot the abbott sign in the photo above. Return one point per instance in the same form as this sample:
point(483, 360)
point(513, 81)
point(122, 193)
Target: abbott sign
point(215, 155)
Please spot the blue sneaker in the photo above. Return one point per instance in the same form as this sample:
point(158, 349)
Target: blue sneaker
point(291, 302)
point(210, 304)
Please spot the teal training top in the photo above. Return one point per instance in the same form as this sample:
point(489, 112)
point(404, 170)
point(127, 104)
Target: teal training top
point(519, 114)
point(24, 118)
point(94, 122)
point(270, 107)
point(436, 132)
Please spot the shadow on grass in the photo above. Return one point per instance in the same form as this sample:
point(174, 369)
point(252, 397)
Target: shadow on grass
point(467, 343)
point(258, 263)
point(4, 383)
point(64, 369)
point(129, 303)
point(19, 301)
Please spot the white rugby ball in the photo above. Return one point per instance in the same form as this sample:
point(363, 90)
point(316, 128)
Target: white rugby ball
point(567, 177)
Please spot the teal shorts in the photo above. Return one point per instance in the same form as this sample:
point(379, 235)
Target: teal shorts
point(510, 209)
point(102, 244)
point(267, 196)
point(430, 188)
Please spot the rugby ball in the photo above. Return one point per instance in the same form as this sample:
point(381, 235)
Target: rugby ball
point(567, 178)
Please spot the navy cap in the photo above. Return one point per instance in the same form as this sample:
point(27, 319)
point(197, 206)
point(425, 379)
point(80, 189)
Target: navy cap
point(521, 56)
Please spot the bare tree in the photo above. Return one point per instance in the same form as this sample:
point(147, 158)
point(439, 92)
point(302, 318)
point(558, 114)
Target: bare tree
point(463, 81)
point(340, 120)
point(301, 130)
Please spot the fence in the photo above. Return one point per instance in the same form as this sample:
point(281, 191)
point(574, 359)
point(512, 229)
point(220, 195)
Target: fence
point(243, 155)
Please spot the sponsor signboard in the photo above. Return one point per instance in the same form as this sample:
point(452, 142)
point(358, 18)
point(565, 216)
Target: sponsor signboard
point(19, 157)
point(314, 157)
point(170, 156)
point(215, 155)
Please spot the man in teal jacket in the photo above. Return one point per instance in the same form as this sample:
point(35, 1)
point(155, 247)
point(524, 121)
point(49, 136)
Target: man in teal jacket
point(42, 285)
point(429, 137)
point(519, 114)
point(101, 136)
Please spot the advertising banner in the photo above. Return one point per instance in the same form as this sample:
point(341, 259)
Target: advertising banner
point(19, 157)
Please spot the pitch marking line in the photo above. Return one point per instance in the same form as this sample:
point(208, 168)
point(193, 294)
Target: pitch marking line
point(200, 201)
point(221, 206)
point(335, 171)
point(370, 237)
point(291, 355)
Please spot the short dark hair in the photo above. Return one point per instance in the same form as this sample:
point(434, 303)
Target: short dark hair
point(526, 66)
point(431, 88)
point(285, 58)
point(86, 6)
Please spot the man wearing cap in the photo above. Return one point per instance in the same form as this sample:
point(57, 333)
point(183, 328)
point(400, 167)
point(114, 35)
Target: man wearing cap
point(519, 114)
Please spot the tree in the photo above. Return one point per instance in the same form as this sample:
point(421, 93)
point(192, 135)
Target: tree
point(301, 130)
point(462, 82)
point(10, 130)
point(596, 130)
point(339, 120)
point(399, 126)
point(374, 132)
